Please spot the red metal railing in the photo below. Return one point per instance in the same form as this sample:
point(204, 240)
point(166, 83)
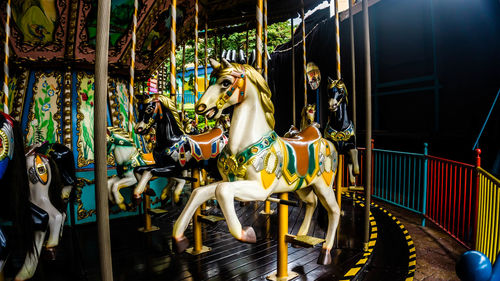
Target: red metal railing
point(451, 198)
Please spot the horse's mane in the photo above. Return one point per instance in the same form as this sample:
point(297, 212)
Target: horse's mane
point(120, 132)
point(170, 105)
point(264, 92)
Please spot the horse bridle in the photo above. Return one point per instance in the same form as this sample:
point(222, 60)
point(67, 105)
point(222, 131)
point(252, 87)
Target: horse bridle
point(239, 84)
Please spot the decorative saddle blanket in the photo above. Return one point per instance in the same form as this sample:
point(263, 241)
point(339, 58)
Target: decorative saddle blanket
point(300, 158)
point(207, 145)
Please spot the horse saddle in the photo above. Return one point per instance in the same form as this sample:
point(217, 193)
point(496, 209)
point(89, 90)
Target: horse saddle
point(207, 145)
point(300, 146)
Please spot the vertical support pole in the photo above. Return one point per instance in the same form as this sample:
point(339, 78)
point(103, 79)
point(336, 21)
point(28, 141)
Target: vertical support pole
point(195, 59)
point(340, 172)
point(282, 270)
point(246, 47)
point(148, 226)
point(304, 57)
point(426, 174)
point(337, 37)
point(183, 81)
point(258, 36)
point(221, 48)
point(198, 247)
point(6, 62)
point(434, 67)
point(353, 64)
point(265, 40)
point(198, 244)
point(100, 109)
point(294, 105)
point(478, 164)
point(173, 82)
point(132, 69)
point(206, 54)
point(215, 44)
point(368, 109)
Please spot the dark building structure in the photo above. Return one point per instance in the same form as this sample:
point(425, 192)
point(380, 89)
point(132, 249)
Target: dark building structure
point(435, 74)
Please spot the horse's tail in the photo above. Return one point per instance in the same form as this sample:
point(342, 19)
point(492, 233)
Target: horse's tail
point(18, 206)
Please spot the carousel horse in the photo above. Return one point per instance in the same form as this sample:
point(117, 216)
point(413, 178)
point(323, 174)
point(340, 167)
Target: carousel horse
point(127, 157)
point(340, 129)
point(51, 175)
point(174, 151)
point(307, 119)
point(256, 162)
point(15, 206)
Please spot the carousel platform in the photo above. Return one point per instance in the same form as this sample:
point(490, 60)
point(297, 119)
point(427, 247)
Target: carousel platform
point(148, 256)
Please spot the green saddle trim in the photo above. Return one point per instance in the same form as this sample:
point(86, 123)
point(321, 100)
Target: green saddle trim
point(235, 165)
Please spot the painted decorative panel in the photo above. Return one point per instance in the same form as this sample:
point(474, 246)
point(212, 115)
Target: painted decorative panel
point(85, 118)
point(39, 28)
point(44, 114)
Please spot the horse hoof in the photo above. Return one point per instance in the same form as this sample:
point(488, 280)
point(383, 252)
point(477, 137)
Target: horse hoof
point(248, 235)
point(325, 258)
point(150, 192)
point(136, 200)
point(49, 254)
point(180, 244)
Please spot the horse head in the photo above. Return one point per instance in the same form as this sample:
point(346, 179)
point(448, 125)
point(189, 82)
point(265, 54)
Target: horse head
point(227, 88)
point(150, 112)
point(231, 84)
point(337, 94)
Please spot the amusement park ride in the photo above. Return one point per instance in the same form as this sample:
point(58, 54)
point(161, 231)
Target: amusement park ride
point(79, 143)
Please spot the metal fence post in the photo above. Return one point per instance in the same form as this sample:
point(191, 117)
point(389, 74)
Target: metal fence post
point(476, 209)
point(426, 164)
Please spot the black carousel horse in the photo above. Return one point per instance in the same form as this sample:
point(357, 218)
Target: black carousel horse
point(174, 150)
point(340, 129)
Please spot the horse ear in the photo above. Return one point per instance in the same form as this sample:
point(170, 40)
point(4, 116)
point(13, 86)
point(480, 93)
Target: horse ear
point(215, 64)
point(330, 80)
point(225, 63)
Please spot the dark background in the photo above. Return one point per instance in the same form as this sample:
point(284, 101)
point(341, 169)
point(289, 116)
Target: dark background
point(435, 74)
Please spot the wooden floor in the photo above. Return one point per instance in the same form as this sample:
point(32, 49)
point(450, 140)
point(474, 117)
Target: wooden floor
point(138, 256)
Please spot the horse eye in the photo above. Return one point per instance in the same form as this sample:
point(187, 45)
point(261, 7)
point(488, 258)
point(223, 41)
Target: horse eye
point(226, 83)
point(149, 110)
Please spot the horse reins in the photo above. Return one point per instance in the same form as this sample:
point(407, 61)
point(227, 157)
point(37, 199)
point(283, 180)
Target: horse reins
point(239, 84)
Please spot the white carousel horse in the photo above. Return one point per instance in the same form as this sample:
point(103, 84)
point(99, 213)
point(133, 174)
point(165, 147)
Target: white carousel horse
point(127, 157)
point(257, 163)
point(51, 178)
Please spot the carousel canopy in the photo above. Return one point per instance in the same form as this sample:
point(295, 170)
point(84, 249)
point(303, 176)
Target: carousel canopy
point(62, 32)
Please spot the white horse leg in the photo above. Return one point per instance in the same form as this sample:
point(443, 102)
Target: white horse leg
point(311, 200)
point(354, 159)
point(225, 194)
point(327, 198)
point(127, 181)
point(165, 193)
point(198, 197)
point(55, 225)
point(66, 192)
point(352, 178)
point(31, 261)
point(111, 182)
point(141, 186)
point(178, 189)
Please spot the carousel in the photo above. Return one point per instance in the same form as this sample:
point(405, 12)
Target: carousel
point(101, 135)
